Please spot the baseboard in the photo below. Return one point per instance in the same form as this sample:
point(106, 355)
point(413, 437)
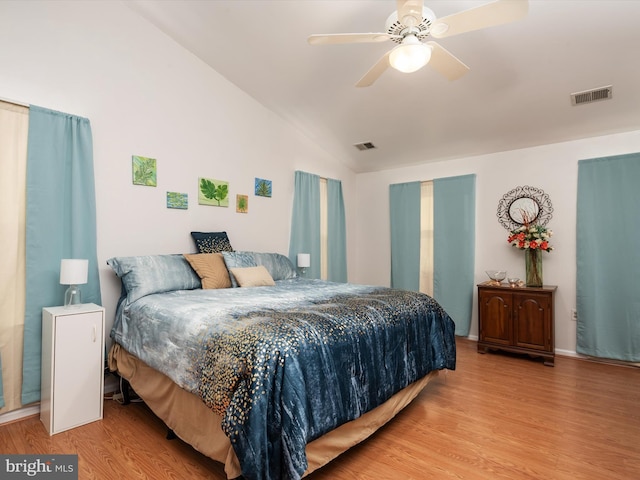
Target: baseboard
point(568, 353)
point(19, 414)
point(111, 385)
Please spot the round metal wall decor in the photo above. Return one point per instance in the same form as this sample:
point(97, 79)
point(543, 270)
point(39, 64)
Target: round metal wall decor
point(524, 205)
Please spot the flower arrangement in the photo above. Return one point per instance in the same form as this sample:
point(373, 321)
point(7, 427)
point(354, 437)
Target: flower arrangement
point(531, 236)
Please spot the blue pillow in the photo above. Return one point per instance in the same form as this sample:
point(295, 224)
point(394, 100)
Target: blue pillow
point(238, 260)
point(145, 275)
point(212, 242)
point(278, 266)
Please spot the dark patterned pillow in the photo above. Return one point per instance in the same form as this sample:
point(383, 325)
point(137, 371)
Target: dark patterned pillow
point(212, 242)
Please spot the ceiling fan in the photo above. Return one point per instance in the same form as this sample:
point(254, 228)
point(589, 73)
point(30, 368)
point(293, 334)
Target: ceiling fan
point(412, 23)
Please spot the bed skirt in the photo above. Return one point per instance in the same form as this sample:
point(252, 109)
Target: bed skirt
point(192, 421)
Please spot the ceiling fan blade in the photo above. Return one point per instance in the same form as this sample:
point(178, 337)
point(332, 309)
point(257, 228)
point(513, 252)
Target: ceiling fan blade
point(445, 62)
point(374, 72)
point(410, 12)
point(488, 15)
point(335, 38)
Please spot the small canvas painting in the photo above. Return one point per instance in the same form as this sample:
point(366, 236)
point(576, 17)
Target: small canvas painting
point(213, 192)
point(178, 200)
point(144, 171)
point(242, 203)
point(263, 187)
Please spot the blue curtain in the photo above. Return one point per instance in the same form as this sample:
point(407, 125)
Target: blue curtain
point(404, 206)
point(337, 232)
point(60, 223)
point(608, 258)
point(454, 206)
point(305, 221)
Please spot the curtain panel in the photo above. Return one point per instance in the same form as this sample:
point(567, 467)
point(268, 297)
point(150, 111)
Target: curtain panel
point(318, 226)
point(426, 237)
point(305, 221)
point(454, 236)
point(404, 207)
point(336, 233)
point(14, 125)
point(608, 258)
point(453, 242)
point(60, 223)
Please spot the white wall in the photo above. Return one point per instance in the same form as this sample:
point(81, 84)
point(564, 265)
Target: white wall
point(145, 95)
point(553, 168)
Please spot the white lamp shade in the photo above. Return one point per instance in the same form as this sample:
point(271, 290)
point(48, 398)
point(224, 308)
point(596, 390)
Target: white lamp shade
point(73, 271)
point(304, 260)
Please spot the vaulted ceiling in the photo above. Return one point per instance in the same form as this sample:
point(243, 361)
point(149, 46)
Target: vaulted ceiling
point(516, 94)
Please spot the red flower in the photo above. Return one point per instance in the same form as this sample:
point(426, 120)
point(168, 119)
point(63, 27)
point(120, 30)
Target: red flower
point(544, 245)
point(533, 244)
point(521, 236)
point(521, 244)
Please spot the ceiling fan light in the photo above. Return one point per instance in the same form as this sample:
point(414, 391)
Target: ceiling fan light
point(409, 58)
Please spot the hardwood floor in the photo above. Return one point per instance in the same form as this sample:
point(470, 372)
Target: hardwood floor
point(497, 416)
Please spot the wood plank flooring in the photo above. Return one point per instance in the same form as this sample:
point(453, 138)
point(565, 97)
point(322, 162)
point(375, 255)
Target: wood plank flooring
point(497, 416)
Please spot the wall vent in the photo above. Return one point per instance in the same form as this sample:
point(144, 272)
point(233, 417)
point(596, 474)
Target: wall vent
point(590, 96)
point(364, 146)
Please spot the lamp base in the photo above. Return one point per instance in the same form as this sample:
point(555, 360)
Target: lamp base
point(72, 296)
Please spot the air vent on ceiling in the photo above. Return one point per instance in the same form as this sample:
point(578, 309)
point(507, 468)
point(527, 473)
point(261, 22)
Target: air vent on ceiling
point(594, 95)
point(364, 146)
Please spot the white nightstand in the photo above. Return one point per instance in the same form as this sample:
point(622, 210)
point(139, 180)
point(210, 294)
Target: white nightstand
point(72, 366)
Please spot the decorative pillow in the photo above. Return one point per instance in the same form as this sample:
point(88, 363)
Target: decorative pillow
point(149, 274)
point(211, 269)
point(238, 260)
point(212, 242)
point(278, 266)
point(253, 276)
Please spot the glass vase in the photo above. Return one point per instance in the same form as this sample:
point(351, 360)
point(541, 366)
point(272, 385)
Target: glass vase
point(533, 263)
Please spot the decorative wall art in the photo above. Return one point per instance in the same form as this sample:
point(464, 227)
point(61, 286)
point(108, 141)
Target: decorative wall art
point(524, 205)
point(213, 192)
point(242, 203)
point(263, 187)
point(177, 200)
point(144, 171)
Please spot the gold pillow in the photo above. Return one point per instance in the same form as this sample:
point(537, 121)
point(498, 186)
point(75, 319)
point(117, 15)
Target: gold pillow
point(253, 276)
point(211, 269)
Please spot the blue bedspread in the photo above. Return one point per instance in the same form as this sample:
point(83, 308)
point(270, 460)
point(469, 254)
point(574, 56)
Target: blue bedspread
point(283, 365)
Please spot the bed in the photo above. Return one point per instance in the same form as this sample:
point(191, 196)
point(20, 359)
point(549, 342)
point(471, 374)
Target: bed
point(273, 375)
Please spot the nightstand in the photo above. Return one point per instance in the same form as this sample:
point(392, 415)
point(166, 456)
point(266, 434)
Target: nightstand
point(517, 319)
point(72, 382)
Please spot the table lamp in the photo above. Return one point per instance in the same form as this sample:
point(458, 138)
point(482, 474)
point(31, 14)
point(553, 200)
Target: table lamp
point(73, 272)
point(304, 261)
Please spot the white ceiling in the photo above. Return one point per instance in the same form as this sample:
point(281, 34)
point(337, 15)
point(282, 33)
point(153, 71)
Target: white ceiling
point(516, 95)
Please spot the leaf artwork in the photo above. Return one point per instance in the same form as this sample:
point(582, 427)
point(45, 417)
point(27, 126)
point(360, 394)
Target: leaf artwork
point(144, 171)
point(177, 200)
point(242, 203)
point(262, 187)
point(213, 192)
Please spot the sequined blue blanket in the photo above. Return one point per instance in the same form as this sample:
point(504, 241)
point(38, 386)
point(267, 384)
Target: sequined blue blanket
point(283, 365)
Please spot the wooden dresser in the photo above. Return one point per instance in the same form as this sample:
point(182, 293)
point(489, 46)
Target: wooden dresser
point(517, 319)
